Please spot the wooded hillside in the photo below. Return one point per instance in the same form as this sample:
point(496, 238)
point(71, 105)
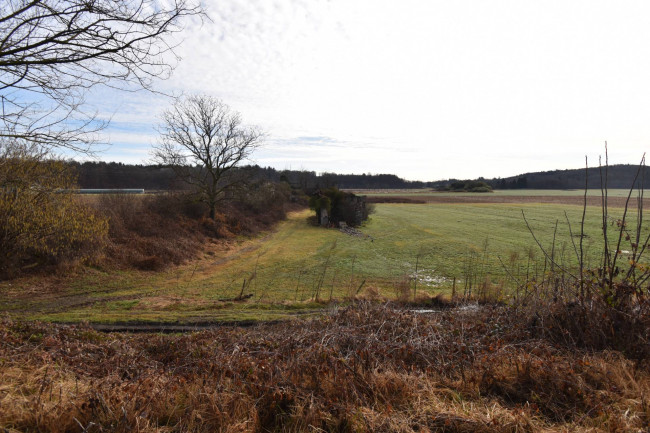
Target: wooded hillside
point(118, 175)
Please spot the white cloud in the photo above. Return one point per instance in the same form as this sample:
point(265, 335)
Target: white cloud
point(434, 89)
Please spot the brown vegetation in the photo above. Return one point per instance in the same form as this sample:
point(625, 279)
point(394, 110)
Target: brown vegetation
point(41, 222)
point(151, 232)
point(362, 368)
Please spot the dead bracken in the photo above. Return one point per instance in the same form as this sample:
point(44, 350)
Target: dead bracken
point(362, 368)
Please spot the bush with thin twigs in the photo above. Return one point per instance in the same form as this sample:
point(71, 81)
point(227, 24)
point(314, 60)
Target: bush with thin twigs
point(42, 223)
point(603, 308)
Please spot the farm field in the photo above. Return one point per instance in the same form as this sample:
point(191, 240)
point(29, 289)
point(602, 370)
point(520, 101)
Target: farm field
point(315, 359)
point(298, 268)
point(615, 198)
point(496, 193)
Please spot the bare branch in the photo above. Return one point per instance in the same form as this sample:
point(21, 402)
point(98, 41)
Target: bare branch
point(54, 50)
point(203, 140)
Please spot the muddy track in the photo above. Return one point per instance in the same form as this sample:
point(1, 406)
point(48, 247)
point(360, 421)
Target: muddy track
point(184, 327)
point(172, 328)
point(57, 303)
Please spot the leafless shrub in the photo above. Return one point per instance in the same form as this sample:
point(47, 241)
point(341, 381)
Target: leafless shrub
point(606, 307)
point(402, 288)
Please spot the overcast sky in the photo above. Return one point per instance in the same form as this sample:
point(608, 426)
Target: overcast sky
point(423, 89)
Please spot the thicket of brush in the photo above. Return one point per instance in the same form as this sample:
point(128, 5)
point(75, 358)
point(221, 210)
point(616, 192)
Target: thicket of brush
point(153, 231)
point(45, 227)
point(42, 225)
point(365, 368)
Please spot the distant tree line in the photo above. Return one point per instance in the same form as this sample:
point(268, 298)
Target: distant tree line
point(158, 177)
point(117, 175)
point(372, 181)
point(93, 174)
point(616, 176)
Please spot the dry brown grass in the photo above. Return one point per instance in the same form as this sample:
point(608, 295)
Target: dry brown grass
point(361, 369)
point(152, 232)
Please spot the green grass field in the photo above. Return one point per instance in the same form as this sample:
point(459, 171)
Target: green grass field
point(288, 270)
point(500, 192)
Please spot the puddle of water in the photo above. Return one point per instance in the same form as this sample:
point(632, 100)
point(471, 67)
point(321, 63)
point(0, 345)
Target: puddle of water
point(467, 308)
point(430, 279)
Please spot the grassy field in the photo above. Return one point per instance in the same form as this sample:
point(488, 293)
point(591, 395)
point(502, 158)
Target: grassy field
point(403, 247)
point(496, 193)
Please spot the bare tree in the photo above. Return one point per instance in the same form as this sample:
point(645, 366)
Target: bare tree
point(52, 51)
point(203, 140)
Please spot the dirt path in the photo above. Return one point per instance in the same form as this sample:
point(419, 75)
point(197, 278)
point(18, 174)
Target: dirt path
point(54, 294)
point(232, 255)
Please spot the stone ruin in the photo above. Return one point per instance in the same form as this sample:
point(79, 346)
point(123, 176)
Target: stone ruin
point(333, 207)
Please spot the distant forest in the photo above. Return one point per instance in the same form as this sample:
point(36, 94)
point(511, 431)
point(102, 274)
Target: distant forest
point(156, 177)
point(616, 176)
point(93, 175)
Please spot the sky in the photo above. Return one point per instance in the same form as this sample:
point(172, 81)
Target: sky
point(423, 89)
